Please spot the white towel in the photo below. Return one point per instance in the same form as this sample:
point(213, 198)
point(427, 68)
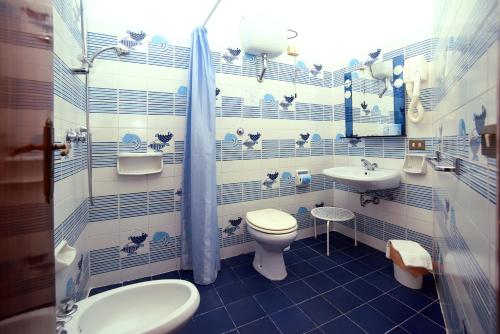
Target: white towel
point(412, 254)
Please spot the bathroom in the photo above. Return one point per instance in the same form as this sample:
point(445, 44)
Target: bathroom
point(174, 167)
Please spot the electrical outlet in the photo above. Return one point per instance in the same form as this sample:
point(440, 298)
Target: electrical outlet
point(417, 145)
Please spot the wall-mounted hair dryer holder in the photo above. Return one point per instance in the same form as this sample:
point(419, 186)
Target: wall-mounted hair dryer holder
point(414, 73)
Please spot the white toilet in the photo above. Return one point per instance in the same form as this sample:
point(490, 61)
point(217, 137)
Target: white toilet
point(274, 230)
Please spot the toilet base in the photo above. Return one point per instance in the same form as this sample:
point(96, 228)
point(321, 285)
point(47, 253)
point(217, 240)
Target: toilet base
point(269, 264)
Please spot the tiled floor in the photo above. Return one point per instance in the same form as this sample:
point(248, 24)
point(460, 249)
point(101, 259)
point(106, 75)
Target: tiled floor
point(351, 291)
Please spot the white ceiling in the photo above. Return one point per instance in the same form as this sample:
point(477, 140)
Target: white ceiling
point(333, 30)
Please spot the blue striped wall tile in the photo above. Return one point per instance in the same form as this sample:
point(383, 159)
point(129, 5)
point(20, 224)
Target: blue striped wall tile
point(164, 250)
point(392, 231)
point(286, 72)
point(420, 48)
point(374, 147)
point(104, 260)
point(270, 110)
point(132, 101)
point(135, 57)
point(302, 111)
point(96, 41)
point(69, 12)
point(103, 100)
point(392, 54)
point(66, 85)
point(286, 148)
point(339, 112)
point(134, 260)
point(182, 56)
point(251, 190)
point(160, 103)
point(232, 106)
point(419, 196)
point(270, 149)
point(160, 55)
point(232, 193)
point(394, 148)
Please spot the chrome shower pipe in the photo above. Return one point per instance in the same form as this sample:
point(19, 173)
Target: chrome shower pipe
point(260, 78)
point(87, 116)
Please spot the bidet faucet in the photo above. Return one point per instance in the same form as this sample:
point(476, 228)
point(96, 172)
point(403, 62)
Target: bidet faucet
point(369, 165)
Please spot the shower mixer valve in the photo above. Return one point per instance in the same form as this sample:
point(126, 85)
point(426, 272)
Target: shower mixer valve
point(79, 136)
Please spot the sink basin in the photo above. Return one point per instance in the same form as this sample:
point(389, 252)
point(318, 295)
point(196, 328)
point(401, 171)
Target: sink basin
point(364, 180)
point(154, 307)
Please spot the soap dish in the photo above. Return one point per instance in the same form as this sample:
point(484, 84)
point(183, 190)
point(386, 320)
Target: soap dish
point(64, 255)
point(415, 164)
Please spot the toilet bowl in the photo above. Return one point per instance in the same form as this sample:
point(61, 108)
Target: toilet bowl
point(273, 230)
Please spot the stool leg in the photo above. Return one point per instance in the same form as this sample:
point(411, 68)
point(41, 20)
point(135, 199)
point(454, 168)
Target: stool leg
point(327, 238)
point(315, 234)
point(355, 232)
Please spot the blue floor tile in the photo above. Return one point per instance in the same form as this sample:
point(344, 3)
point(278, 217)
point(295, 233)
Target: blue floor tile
point(189, 328)
point(363, 290)
point(303, 269)
point(273, 300)
point(209, 299)
point(170, 275)
point(341, 325)
point(298, 291)
point(292, 321)
point(320, 247)
point(244, 270)
point(297, 244)
point(306, 253)
point(186, 275)
point(100, 289)
point(342, 299)
point(358, 251)
point(376, 260)
point(370, 320)
point(291, 258)
point(340, 275)
point(322, 263)
point(339, 257)
point(291, 277)
point(434, 313)
point(214, 322)
point(244, 311)
point(310, 241)
point(392, 309)
point(411, 298)
point(225, 276)
point(399, 330)
point(320, 282)
point(381, 281)
point(420, 324)
point(240, 259)
point(358, 268)
point(429, 287)
point(261, 326)
point(233, 292)
point(258, 284)
point(319, 310)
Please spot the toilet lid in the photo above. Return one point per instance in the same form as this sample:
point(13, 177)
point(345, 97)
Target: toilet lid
point(271, 221)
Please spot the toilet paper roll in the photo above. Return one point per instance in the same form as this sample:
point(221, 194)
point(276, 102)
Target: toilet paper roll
point(305, 179)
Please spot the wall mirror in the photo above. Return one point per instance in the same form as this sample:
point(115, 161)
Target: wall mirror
point(374, 99)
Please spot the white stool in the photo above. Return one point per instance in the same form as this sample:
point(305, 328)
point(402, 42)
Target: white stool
point(333, 214)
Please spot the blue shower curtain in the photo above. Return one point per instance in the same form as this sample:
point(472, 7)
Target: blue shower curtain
point(200, 232)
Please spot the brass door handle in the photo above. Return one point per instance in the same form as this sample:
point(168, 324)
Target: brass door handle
point(64, 148)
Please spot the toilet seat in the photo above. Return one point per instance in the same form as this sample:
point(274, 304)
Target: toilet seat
point(271, 221)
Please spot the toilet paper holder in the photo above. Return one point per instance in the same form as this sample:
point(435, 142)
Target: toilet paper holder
point(302, 178)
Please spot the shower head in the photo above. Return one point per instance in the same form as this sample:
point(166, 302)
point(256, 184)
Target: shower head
point(119, 49)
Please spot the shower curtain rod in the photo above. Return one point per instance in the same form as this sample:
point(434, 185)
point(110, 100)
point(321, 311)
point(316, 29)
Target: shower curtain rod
point(211, 12)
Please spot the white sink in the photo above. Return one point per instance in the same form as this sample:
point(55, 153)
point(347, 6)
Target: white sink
point(364, 180)
point(154, 307)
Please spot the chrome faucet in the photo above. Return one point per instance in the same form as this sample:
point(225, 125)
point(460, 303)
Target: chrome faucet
point(369, 165)
point(66, 308)
point(60, 328)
